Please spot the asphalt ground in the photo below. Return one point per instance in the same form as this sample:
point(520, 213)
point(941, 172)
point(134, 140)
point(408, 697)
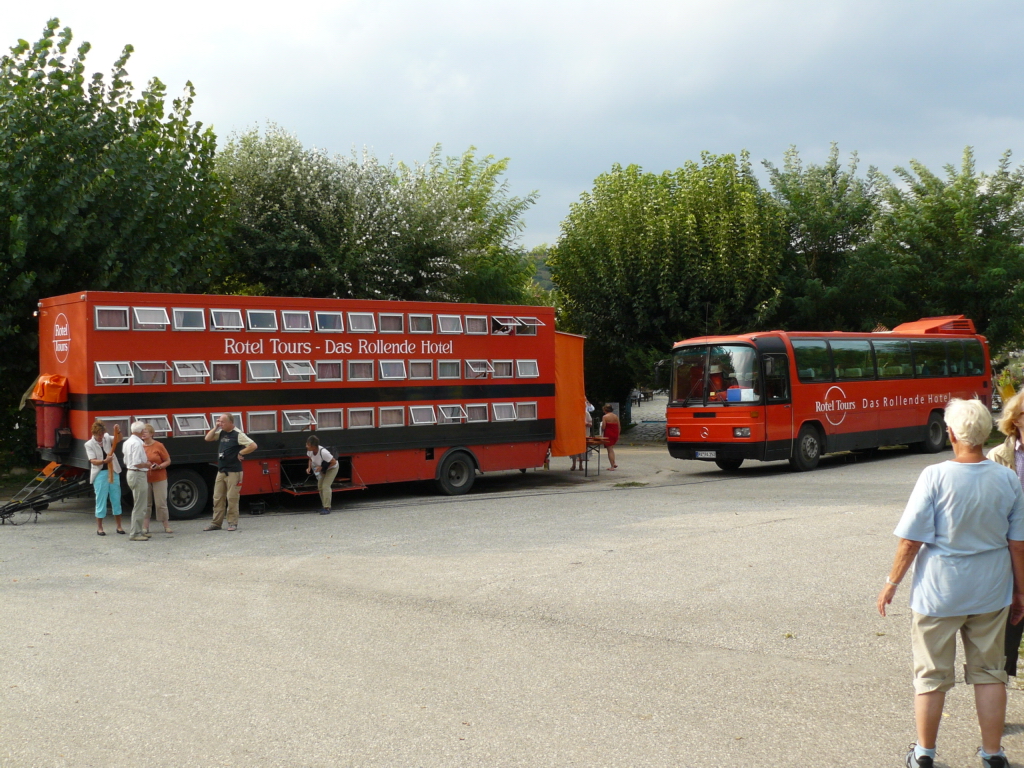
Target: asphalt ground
point(696, 618)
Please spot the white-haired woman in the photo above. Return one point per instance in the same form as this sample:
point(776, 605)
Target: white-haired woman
point(963, 529)
point(1010, 453)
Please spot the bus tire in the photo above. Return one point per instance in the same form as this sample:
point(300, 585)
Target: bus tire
point(729, 465)
point(187, 494)
point(456, 474)
point(807, 450)
point(935, 440)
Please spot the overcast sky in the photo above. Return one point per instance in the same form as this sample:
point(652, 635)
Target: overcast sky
point(566, 89)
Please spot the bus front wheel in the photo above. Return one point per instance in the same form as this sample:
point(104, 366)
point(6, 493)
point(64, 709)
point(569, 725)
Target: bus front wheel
point(935, 440)
point(729, 465)
point(456, 474)
point(807, 451)
point(187, 494)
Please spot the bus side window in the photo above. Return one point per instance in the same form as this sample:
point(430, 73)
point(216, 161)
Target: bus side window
point(974, 358)
point(812, 360)
point(955, 350)
point(776, 378)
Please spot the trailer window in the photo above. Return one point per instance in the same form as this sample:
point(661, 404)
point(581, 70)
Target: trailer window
point(111, 319)
point(261, 319)
point(190, 372)
point(361, 322)
point(191, 424)
point(262, 421)
point(453, 414)
point(392, 369)
point(504, 412)
point(332, 418)
point(929, 358)
point(852, 359)
point(502, 369)
point(297, 370)
point(476, 412)
point(189, 320)
point(526, 411)
point(236, 417)
point(297, 421)
point(150, 318)
point(330, 322)
point(812, 360)
point(161, 426)
point(449, 369)
point(392, 416)
point(502, 326)
point(391, 323)
point(974, 358)
point(421, 369)
point(527, 326)
point(893, 359)
point(226, 320)
point(263, 370)
point(449, 324)
point(328, 370)
point(295, 321)
point(527, 369)
point(122, 422)
point(422, 414)
point(114, 373)
point(360, 370)
point(360, 418)
point(421, 323)
point(478, 369)
point(476, 325)
point(151, 373)
point(226, 372)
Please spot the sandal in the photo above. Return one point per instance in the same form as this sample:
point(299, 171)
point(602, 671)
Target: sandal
point(121, 530)
point(101, 533)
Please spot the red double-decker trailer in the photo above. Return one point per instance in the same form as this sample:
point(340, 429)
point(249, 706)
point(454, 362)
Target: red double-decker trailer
point(787, 395)
point(398, 391)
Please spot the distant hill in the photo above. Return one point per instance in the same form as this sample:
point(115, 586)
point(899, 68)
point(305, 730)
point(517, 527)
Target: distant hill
point(539, 255)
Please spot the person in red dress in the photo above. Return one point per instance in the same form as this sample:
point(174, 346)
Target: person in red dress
point(610, 425)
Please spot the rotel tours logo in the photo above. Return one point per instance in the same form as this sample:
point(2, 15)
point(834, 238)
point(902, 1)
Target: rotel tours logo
point(61, 338)
point(835, 405)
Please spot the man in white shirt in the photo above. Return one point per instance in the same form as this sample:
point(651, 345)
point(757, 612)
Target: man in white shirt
point(137, 464)
point(963, 529)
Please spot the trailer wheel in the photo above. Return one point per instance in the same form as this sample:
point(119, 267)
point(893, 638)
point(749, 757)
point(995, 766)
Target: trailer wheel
point(456, 474)
point(187, 494)
point(729, 465)
point(807, 450)
point(936, 438)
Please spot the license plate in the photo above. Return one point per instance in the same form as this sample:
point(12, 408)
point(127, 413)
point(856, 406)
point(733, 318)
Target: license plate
point(707, 454)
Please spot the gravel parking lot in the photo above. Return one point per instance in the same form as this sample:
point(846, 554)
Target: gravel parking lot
point(665, 614)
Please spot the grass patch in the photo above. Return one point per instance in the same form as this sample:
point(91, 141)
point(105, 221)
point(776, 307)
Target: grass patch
point(632, 484)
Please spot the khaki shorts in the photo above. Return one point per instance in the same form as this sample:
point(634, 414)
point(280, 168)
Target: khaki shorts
point(934, 641)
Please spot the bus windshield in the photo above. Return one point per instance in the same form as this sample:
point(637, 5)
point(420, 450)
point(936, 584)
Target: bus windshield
point(725, 373)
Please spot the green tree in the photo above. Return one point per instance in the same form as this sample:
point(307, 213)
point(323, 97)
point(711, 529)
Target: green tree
point(647, 259)
point(309, 224)
point(954, 245)
point(99, 189)
point(832, 276)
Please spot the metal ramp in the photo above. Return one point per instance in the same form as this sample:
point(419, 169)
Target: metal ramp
point(53, 483)
point(298, 483)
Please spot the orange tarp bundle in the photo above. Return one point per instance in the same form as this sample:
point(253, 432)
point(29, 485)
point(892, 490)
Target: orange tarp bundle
point(51, 388)
point(570, 396)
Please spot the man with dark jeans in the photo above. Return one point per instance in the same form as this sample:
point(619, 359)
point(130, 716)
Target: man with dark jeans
point(233, 444)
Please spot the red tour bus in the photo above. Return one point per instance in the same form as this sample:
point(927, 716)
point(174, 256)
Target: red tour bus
point(397, 391)
point(780, 395)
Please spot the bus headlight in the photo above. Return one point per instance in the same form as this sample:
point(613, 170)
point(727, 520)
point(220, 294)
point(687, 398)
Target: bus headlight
point(741, 431)
point(673, 431)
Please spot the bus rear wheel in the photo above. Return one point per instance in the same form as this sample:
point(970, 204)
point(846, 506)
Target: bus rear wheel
point(807, 451)
point(187, 494)
point(456, 474)
point(936, 435)
point(729, 465)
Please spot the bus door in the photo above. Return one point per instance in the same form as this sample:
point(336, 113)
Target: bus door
point(778, 403)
